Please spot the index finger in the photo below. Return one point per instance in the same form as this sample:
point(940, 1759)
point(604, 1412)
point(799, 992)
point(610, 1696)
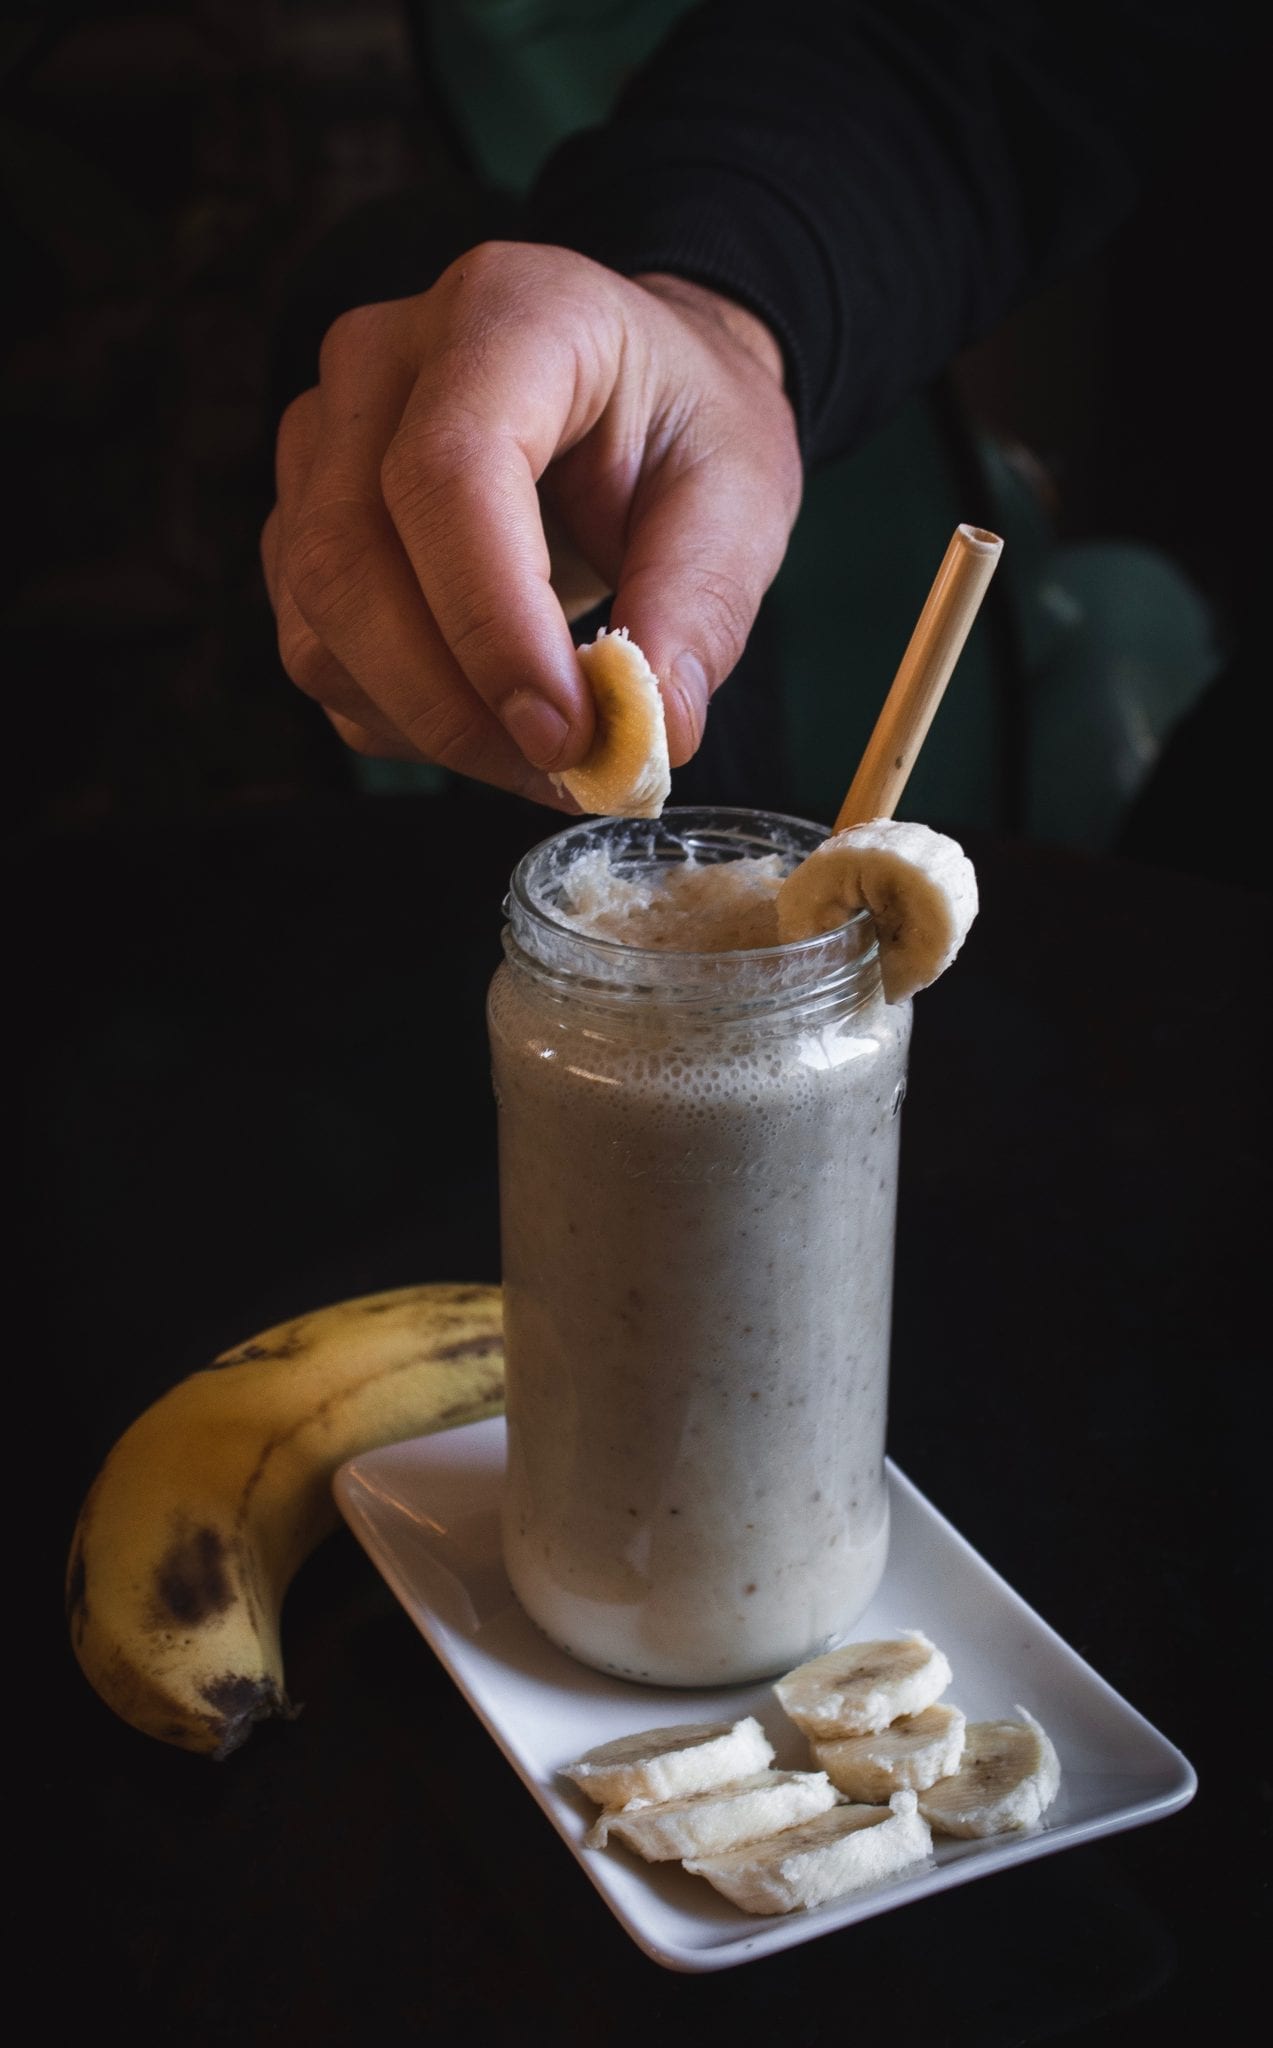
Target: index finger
point(459, 479)
point(344, 572)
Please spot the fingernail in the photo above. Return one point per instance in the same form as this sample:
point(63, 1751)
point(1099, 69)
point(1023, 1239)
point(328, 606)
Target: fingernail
point(689, 679)
point(537, 726)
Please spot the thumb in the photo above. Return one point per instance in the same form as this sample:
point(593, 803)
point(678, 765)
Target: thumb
point(704, 548)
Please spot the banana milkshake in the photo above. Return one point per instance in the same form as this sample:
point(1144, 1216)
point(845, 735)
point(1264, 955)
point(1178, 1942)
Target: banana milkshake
point(698, 1165)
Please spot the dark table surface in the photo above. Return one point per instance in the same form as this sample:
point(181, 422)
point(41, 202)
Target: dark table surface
point(257, 1082)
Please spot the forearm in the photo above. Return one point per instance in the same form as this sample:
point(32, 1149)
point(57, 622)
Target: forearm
point(881, 182)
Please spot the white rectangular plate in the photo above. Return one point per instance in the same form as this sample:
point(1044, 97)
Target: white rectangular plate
point(427, 1514)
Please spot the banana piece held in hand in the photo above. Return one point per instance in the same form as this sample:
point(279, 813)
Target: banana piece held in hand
point(919, 886)
point(211, 1500)
point(625, 773)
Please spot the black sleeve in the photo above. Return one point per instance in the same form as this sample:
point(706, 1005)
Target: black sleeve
point(883, 180)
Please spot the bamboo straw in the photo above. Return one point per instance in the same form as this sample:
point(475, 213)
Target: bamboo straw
point(935, 646)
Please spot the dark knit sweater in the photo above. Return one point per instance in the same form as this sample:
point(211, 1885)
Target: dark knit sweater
point(883, 180)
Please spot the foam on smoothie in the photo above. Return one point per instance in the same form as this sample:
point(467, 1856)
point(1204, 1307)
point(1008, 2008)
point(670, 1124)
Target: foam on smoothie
point(678, 906)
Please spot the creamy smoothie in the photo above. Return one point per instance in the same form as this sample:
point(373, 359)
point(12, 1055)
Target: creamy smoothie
point(698, 1165)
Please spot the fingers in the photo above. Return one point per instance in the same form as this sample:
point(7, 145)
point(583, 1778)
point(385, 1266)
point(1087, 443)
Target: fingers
point(693, 531)
point(316, 672)
point(354, 628)
point(311, 667)
point(523, 373)
point(407, 559)
point(706, 544)
point(376, 746)
point(380, 746)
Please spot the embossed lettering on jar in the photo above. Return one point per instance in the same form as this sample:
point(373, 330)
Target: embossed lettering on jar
point(698, 1173)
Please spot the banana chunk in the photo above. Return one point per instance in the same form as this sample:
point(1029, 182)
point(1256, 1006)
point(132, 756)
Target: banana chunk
point(919, 886)
point(861, 1687)
point(764, 1803)
point(672, 1762)
point(625, 772)
point(912, 1753)
point(1009, 1776)
point(837, 1852)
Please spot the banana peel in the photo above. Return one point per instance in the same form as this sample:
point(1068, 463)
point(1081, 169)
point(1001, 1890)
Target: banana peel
point(212, 1499)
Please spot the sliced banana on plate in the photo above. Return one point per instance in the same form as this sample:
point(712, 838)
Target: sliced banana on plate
point(911, 1754)
point(837, 1852)
point(1008, 1777)
point(919, 886)
point(625, 772)
point(672, 1762)
point(709, 1822)
point(861, 1687)
point(897, 1766)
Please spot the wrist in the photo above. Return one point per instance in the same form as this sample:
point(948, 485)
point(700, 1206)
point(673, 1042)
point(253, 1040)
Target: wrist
point(743, 327)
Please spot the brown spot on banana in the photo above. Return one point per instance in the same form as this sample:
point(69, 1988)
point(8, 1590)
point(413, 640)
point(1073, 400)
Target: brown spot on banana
point(238, 1704)
point(474, 1347)
point(288, 1344)
point(191, 1582)
point(462, 1411)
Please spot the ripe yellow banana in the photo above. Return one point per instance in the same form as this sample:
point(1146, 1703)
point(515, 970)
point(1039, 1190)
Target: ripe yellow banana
point(211, 1500)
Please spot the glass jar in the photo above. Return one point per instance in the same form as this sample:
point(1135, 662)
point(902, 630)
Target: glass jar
point(698, 1176)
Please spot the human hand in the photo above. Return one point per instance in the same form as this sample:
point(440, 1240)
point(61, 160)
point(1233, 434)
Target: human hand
point(642, 419)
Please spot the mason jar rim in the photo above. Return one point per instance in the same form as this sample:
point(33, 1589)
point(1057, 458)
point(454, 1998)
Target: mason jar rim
point(832, 963)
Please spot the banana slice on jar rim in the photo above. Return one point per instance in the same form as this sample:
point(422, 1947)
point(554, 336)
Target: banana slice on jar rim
point(918, 885)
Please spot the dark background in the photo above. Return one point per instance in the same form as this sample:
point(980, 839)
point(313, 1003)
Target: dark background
point(162, 169)
point(243, 984)
point(164, 172)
